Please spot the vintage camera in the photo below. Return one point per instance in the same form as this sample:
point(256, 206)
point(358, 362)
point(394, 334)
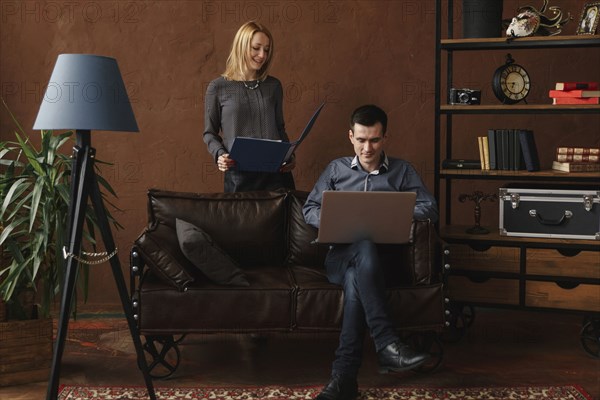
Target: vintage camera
point(464, 96)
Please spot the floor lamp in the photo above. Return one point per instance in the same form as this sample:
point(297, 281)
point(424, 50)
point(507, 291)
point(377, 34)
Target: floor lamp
point(85, 93)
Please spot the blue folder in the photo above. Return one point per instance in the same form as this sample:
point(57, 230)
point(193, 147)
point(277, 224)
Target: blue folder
point(264, 155)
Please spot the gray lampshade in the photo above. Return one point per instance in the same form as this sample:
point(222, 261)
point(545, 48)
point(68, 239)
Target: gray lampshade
point(86, 92)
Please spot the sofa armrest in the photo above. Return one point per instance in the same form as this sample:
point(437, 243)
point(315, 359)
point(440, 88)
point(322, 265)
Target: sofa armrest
point(425, 254)
point(157, 247)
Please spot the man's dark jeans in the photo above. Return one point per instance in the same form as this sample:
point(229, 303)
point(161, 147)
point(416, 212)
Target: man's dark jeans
point(358, 268)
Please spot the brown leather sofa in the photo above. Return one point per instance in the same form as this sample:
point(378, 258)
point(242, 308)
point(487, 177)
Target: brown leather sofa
point(265, 234)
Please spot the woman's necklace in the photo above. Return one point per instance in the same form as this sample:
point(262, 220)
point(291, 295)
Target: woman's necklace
point(252, 87)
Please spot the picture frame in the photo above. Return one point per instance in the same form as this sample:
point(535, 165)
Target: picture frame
point(588, 22)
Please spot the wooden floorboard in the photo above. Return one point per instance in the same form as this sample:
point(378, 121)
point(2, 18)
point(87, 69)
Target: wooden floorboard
point(502, 347)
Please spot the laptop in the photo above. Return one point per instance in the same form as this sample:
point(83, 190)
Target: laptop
point(383, 217)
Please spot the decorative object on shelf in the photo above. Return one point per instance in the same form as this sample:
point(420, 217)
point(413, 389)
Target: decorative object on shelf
point(588, 23)
point(477, 197)
point(464, 96)
point(482, 18)
point(461, 164)
point(550, 211)
point(532, 22)
point(511, 82)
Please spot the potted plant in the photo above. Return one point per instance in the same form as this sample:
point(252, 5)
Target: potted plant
point(34, 211)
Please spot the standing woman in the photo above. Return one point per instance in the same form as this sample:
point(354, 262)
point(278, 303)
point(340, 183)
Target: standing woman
point(246, 101)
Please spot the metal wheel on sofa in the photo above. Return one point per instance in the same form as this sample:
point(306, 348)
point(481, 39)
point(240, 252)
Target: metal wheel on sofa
point(590, 336)
point(461, 317)
point(427, 342)
point(162, 355)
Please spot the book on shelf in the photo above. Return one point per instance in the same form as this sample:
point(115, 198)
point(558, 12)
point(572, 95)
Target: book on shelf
point(517, 153)
point(529, 150)
point(492, 148)
point(578, 158)
point(508, 150)
point(576, 100)
point(486, 153)
point(566, 86)
point(504, 149)
point(499, 153)
point(576, 166)
point(574, 93)
point(578, 150)
point(481, 157)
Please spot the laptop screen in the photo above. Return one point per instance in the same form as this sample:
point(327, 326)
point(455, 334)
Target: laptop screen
point(383, 217)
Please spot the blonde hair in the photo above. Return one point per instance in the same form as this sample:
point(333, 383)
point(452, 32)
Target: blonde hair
point(236, 67)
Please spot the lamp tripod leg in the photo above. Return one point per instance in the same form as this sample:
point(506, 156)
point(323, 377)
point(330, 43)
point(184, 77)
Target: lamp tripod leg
point(79, 196)
point(115, 264)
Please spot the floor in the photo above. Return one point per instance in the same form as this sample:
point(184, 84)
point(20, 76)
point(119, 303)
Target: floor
point(501, 347)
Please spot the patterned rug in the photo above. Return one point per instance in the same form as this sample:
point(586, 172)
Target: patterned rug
point(304, 393)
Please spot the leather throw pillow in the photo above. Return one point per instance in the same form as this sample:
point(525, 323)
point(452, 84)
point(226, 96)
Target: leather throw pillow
point(207, 256)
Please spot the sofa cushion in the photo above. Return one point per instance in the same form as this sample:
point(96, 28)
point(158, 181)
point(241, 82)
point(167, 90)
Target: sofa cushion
point(244, 224)
point(265, 305)
point(158, 247)
point(207, 256)
point(320, 304)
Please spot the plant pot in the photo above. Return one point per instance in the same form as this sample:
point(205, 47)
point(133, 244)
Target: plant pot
point(482, 18)
point(25, 351)
point(2, 311)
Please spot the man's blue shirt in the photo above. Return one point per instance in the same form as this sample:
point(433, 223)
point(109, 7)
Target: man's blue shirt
point(347, 174)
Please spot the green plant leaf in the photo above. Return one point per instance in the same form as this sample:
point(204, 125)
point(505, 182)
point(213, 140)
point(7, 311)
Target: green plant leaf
point(16, 187)
point(35, 202)
point(21, 205)
point(30, 154)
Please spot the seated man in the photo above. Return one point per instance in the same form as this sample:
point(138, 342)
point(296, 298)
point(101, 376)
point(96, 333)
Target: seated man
point(360, 267)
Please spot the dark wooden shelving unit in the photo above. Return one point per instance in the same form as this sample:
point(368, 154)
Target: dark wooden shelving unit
point(493, 270)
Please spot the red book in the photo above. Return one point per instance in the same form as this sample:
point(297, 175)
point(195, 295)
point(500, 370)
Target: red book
point(576, 100)
point(574, 93)
point(576, 86)
point(578, 150)
point(577, 158)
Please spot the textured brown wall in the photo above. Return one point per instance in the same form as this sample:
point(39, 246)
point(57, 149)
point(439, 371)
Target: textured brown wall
point(343, 52)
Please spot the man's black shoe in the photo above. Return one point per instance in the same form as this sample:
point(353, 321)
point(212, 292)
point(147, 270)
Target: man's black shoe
point(398, 357)
point(340, 387)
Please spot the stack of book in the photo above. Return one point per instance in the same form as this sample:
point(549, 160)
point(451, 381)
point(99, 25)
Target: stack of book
point(577, 159)
point(509, 150)
point(575, 93)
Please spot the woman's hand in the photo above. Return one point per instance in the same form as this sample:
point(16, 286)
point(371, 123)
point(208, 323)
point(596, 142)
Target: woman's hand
point(224, 162)
point(290, 165)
